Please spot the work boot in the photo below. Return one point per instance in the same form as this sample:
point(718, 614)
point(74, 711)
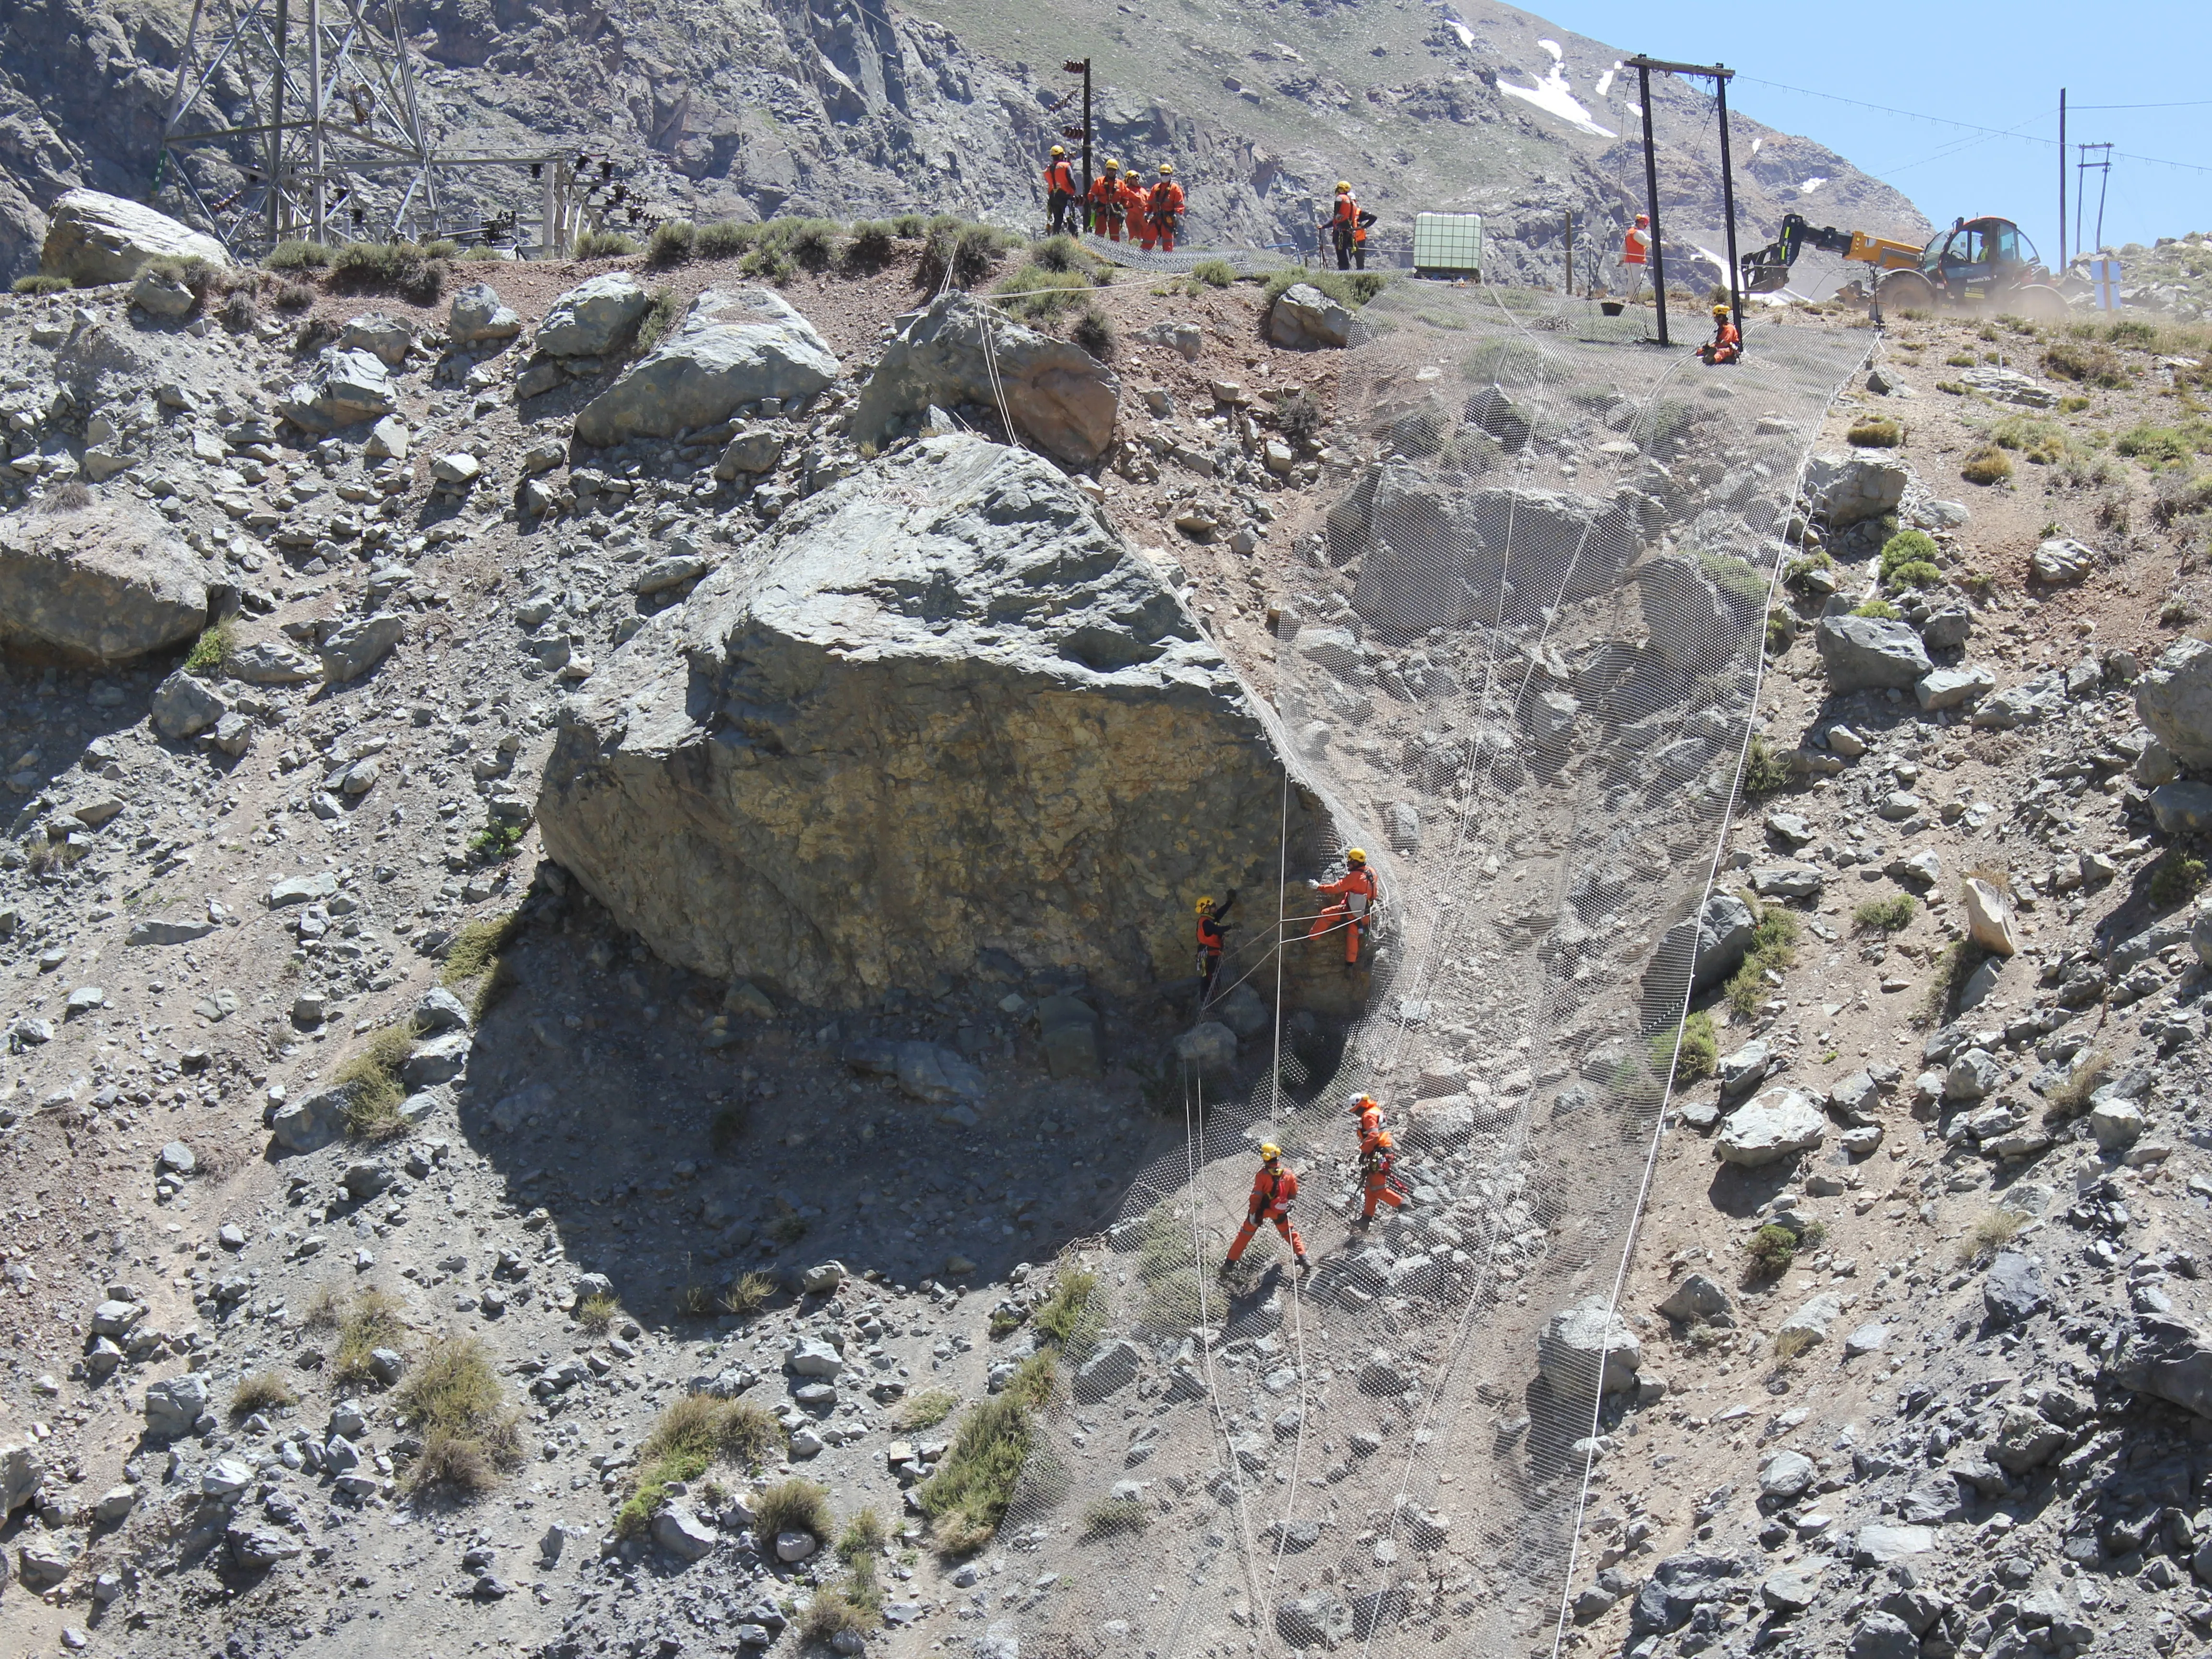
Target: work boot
point(1304, 1265)
point(1227, 1268)
point(1364, 1222)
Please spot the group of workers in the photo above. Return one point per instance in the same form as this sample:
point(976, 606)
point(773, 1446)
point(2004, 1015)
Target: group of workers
point(1727, 344)
point(1350, 911)
point(1277, 1184)
point(1151, 215)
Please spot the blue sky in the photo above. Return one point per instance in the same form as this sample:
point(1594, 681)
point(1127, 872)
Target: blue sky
point(1980, 64)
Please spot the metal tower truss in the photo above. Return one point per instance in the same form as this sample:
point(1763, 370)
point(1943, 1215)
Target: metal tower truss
point(313, 103)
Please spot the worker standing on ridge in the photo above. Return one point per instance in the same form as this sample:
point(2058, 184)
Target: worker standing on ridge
point(1135, 199)
point(1273, 1190)
point(1106, 208)
point(1059, 190)
point(1376, 1158)
point(1163, 211)
point(1212, 934)
point(1727, 343)
point(1354, 892)
point(1347, 228)
point(1635, 255)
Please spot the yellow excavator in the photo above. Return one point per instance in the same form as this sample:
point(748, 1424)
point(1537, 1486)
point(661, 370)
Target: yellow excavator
point(1978, 267)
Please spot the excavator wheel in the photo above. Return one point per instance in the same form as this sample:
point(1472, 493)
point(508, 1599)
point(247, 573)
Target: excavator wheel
point(1906, 291)
point(2038, 302)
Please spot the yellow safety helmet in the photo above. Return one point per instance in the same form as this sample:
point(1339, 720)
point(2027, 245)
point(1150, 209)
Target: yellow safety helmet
point(1269, 1152)
point(1167, 169)
point(1112, 166)
point(1344, 187)
point(1204, 905)
point(1355, 855)
point(1058, 151)
point(1720, 311)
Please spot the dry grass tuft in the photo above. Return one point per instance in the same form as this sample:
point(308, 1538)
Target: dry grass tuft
point(468, 1432)
point(261, 1391)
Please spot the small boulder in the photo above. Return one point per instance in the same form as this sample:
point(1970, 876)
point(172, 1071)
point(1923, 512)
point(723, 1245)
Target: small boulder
point(185, 705)
point(1864, 654)
point(2175, 698)
point(677, 1529)
point(2062, 561)
point(1779, 1124)
point(1695, 1298)
point(1786, 1474)
point(172, 1408)
point(1988, 917)
point(2013, 1292)
point(93, 239)
point(478, 317)
point(592, 316)
point(358, 644)
point(100, 583)
point(1577, 1339)
point(731, 348)
point(1304, 319)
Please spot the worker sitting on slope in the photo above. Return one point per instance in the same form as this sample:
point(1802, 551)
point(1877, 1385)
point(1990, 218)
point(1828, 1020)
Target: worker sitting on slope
point(1376, 1158)
point(1347, 228)
point(1273, 1190)
point(1059, 190)
point(1212, 934)
point(1354, 892)
point(1163, 211)
point(1727, 344)
point(1106, 207)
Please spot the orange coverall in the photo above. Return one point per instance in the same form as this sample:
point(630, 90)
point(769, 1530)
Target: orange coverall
point(1354, 891)
point(1273, 1190)
point(1376, 1158)
point(1162, 207)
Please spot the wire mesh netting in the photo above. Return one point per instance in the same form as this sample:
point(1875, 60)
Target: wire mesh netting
point(1131, 255)
point(1520, 664)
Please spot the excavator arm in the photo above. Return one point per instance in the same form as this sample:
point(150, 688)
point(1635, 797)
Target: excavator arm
point(1766, 270)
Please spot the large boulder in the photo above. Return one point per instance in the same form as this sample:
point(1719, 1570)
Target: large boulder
point(1304, 317)
point(2165, 1358)
point(98, 584)
point(1708, 946)
point(347, 384)
point(93, 239)
point(1779, 1124)
point(1868, 653)
point(1848, 489)
point(731, 348)
point(2175, 701)
point(1581, 1340)
point(479, 317)
point(936, 683)
point(1058, 395)
point(592, 316)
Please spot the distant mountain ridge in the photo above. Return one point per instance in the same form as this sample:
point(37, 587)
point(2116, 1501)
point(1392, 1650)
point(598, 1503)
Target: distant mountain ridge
point(847, 108)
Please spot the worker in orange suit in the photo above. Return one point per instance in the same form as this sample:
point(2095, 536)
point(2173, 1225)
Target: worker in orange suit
point(1635, 255)
point(1273, 1190)
point(1727, 343)
point(1107, 207)
point(1135, 200)
point(1376, 1158)
point(1163, 211)
point(1059, 189)
point(1213, 938)
point(1347, 228)
point(1354, 892)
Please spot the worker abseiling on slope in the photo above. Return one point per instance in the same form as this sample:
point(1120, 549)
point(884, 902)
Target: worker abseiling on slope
point(1727, 344)
point(1107, 207)
point(1354, 892)
point(1163, 211)
point(1213, 935)
point(1059, 190)
point(1347, 228)
point(1273, 1190)
point(1635, 255)
point(1376, 1157)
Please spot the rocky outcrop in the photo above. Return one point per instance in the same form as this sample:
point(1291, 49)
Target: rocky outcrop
point(1305, 319)
point(93, 239)
point(98, 584)
point(2175, 698)
point(733, 348)
point(1850, 489)
point(940, 684)
point(1868, 653)
point(592, 316)
point(963, 350)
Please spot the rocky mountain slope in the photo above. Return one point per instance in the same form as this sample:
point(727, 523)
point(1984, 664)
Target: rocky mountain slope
point(851, 109)
point(376, 1201)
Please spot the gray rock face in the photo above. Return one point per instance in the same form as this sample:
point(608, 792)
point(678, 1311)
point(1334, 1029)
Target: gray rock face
point(1779, 1124)
point(347, 384)
point(2174, 697)
point(1058, 395)
point(1113, 1368)
point(93, 239)
point(1696, 1297)
point(1304, 319)
point(2012, 1293)
point(478, 316)
point(98, 584)
point(1866, 653)
point(173, 1407)
point(270, 662)
point(2182, 809)
point(731, 348)
point(21, 1473)
point(2165, 1358)
point(1848, 489)
point(592, 316)
point(1882, 1636)
point(358, 644)
point(1578, 1340)
point(1678, 1585)
point(1711, 943)
point(933, 681)
point(1953, 688)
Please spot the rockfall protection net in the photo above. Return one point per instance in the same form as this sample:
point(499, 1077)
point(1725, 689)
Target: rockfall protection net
point(1244, 261)
point(1520, 663)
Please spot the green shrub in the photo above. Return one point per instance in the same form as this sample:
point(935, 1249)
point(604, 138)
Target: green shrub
point(2070, 1098)
point(863, 1534)
point(725, 239)
point(1109, 1516)
point(453, 1397)
point(2037, 440)
point(495, 841)
point(661, 313)
point(1692, 1050)
point(1764, 772)
point(1772, 1248)
point(415, 273)
point(40, 285)
point(1874, 432)
point(671, 243)
point(1952, 968)
point(2091, 365)
point(1884, 916)
point(1040, 294)
point(1214, 273)
point(795, 1505)
point(1069, 1318)
point(747, 1295)
point(212, 652)
point(1094, 332)
point(370, 1321)
point(690, 1436)
point(1060, 254)
point(605, 245)
point(1987, 464)
point(2176, 877)
point(927, 1409)
point(1354, 288)
point(1773, 949)
point(596, 1313)
point(1908, 547)
point(873, 246)
point(911, 227)
point(966, 1499)
point(1794, 573)
point(474, 955)
point(2162, 446)
point(1879, 610)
